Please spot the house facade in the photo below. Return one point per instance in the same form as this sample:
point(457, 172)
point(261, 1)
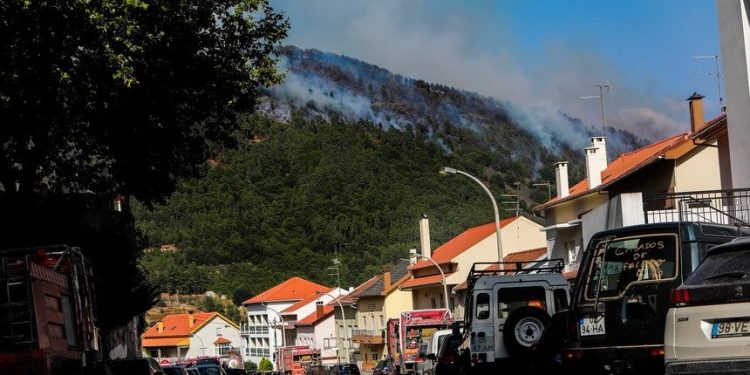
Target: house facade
point(457, 256)
point(266, 329)
point(192, 335)
point(622, 192)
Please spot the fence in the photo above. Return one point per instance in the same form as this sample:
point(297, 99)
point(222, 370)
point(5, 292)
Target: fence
point(714, 206)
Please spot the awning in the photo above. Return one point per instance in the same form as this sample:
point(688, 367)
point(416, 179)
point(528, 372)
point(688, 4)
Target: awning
point(166, 341)
point(424, 281)
point(569, 224)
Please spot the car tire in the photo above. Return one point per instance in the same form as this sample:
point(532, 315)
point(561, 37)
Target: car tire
point(523, 328)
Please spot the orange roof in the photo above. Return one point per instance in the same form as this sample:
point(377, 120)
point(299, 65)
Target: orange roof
point(304, 301)
point(222, 340)
point(623, 166)
point(176, 325)
point(293, 289)
point(526, 255)
point(166, 341)
point(314, 318)
point(350, 297)
point(424, 281)
point(464, 241)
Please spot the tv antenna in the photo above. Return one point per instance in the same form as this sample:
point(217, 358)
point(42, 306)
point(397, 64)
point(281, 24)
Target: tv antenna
point(603, 90)
point(716, 74)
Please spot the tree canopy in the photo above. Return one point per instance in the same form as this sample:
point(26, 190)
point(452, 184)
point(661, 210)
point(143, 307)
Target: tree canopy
point(123, 97)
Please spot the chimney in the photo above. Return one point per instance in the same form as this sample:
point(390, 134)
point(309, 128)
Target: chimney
point(596, 161)
point(697, 118)
point(191, 319)
point(424, 236)
point(387, 280)
point(319, 308)
point(561, 179)
point(412, 256)
point(160, 326)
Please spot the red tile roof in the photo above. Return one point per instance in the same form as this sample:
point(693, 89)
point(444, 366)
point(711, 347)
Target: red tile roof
point(178, 325)
point(222, 340)
point(293, 289)
point(526, 255)
point(314, 318)
point(309, 299)
point(464, 241)
point(623, 166)
point(424, 281)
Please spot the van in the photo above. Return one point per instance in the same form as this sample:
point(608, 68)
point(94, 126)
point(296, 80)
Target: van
point(621, 295)
point(432, 345)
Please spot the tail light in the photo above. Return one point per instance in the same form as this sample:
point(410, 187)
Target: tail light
point(656, 352)
point(680, 297)
point(573, 354)
point(447, 358)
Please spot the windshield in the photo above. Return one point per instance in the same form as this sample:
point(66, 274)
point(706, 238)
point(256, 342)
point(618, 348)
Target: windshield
point(623, 261)
point(721, 268)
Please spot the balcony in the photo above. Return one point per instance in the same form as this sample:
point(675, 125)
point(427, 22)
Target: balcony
point(257, 352)
point(715, 206)
point(368, 336)
point(253, 330)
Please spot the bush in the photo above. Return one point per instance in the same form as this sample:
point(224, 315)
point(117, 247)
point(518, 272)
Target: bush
point(251, 366)
point(265, 365)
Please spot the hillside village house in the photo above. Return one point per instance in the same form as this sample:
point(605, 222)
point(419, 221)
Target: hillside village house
point(266, 330)
point(312, 324)
point(192, 335)
point(347, 323)
point(379, 301)
point(456, 257)
point(656, 183)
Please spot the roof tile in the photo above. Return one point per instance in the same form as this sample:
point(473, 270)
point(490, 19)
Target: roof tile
point(177, 325)
point(293, 289)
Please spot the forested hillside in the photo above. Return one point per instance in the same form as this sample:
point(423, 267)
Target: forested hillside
point(344, 157)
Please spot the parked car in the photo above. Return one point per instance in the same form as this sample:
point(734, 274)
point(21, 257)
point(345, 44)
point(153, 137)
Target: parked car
point(174, 370)
point(621, 297)
point(449, 358)
point(235, 371)
point(193, 371)
point(132, 366)
point(384, 367)
point(431, 347)
point(345, 369)
point(210, 369)
point(708, 327)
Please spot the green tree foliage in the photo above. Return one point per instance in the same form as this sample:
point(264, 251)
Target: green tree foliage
point(119, 97)
point(278, 208)
point(251, 366)
point(265, 365)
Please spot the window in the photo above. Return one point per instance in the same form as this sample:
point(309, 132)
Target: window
point(623, 261)
point(222, 349)
point(218, 331)
point(510, 299)
point(382, 322)
point(483, 306)
point(434, 303)
point(561, 299)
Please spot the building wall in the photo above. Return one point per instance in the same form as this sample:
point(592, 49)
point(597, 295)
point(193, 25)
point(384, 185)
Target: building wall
point(397, 301)
point(202, 341)
point(325, 339)
point(521, 234)
point(343, 333)
point(310, 307)
point(428, 298)
point(260, 316)
point(698, 170)
point(484, 251)
point(371, 313)
point(734, 31)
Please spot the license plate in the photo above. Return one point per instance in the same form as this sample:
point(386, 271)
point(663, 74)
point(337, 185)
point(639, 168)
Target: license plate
point(483, 344)
point(592, 326)
point(732, 328)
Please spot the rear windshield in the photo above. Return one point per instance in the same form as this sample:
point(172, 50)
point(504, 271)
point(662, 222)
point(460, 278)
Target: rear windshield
point(172, 371)
point(725, 267)
point(510, 299)
point(623, 261)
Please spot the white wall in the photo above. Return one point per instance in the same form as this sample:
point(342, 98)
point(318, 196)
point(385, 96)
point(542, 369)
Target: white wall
point(734, 30)
point(205, 337)
point(310, 307)
point(273, 339)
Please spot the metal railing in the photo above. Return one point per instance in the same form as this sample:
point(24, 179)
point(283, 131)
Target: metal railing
point(254, 330)
point(257, 352)
point(712, 206)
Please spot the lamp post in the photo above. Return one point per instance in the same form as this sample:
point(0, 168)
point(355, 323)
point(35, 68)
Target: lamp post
point(283, 335)
point(203, 346)
point(346, 328)
point(442, 274)
point(494, 207)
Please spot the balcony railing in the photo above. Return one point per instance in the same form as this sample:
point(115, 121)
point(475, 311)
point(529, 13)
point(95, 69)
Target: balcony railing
point(257, 352)
point(715, 206)
point(367, 332)
point(254, 330)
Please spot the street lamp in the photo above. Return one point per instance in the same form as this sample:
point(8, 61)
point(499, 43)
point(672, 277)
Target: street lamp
point(283, 335)
point(494, 206)
point(445, 284)
point(343, 316)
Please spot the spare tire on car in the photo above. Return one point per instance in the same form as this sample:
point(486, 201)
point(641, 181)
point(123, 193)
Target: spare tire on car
point(523, 328)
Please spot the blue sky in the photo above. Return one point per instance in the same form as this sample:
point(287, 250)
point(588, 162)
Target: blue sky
point(536, 53)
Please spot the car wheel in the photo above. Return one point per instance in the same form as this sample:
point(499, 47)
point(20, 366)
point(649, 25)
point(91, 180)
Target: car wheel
point(523, 328)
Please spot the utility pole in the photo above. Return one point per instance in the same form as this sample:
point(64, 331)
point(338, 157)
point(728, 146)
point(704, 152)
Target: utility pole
point(603, 90)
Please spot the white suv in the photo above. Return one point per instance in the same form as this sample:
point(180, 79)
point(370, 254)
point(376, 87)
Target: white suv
point(708, 328)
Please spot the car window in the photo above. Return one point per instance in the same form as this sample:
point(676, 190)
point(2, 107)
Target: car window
point(483, 306)
point(721, 268)
point(172, 371)
point(209, 371)
point(510, 299)
point(623, 261)
point(561, 299)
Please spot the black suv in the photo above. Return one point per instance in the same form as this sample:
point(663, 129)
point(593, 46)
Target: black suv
point(621, 296)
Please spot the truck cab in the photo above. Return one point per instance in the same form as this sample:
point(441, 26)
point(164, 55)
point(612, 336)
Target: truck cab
point(508, 307)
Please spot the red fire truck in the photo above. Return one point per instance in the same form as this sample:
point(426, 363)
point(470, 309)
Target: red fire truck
point(412, 327)
point(295, 359)
point(46, 311)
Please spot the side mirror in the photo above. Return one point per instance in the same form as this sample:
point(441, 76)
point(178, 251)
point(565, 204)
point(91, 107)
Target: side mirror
point(432, 357)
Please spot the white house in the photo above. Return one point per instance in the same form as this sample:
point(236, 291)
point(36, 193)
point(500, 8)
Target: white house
point(192, 335)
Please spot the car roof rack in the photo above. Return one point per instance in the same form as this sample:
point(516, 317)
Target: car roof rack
point(480, 269)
